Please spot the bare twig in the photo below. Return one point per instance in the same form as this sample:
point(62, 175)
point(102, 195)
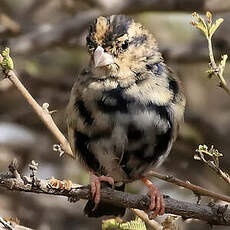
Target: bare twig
point(212, 163)
point(215, 214)
point(195, 188)
point(43, 114)
point(217, 170)
point(216, 70)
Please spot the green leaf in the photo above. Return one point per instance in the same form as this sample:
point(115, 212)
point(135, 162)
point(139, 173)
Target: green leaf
point(110, 224)
point(114, 224)
point(136, 224)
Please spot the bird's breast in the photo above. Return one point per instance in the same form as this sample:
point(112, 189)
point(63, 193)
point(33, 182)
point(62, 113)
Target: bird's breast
point(125, 129)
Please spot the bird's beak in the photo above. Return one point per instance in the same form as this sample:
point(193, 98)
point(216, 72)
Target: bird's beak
point(101, 58)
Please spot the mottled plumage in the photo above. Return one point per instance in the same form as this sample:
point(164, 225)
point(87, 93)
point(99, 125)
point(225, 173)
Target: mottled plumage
point(123, 116)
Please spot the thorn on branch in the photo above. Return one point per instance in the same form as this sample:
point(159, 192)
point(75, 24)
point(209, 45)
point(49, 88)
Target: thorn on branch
point(45, 106)
point(198, 198)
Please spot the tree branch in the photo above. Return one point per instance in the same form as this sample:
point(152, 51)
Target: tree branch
point(223, 175)
point(213, 214)
point(195, 188)
point(213, 161)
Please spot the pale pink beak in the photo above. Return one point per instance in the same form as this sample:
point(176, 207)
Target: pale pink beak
point(101, 58)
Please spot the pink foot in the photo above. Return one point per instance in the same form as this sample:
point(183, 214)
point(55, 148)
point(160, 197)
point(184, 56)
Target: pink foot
point(157, 201)
point(95, 183)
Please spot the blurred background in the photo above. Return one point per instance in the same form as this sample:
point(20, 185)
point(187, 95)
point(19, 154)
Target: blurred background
point(47, 41)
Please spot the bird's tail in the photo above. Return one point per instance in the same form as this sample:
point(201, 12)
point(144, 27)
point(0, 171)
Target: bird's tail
point(103, 208)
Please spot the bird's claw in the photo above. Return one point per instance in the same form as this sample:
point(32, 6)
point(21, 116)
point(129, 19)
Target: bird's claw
point(95, 184)
point(157, 206)
point(157, 201)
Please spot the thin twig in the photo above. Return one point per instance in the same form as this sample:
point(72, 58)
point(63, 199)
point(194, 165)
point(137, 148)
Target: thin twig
point(208, 28)
point(213, 164)
point(43, 113)
point(216, 71)
point(195, 188)
point(211, 56)
point(217, 170)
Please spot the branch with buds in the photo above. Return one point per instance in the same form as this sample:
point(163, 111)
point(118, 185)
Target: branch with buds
point(208, 28)
point(213, 162)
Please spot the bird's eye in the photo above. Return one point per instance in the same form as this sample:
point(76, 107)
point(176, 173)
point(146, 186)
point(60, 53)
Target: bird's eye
point(125, 45)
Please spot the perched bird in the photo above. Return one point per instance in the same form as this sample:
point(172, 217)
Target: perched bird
point(124, 110)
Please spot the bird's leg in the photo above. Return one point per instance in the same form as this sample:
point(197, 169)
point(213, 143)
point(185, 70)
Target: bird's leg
point(95, 184)
point(157, 201)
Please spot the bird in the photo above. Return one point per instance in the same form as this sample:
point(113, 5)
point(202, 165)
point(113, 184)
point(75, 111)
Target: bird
point(124, 111)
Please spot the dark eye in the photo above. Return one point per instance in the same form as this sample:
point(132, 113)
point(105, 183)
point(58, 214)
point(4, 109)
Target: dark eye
point(125, 45)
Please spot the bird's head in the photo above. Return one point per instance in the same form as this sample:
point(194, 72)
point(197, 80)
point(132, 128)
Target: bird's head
point(120, 42)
